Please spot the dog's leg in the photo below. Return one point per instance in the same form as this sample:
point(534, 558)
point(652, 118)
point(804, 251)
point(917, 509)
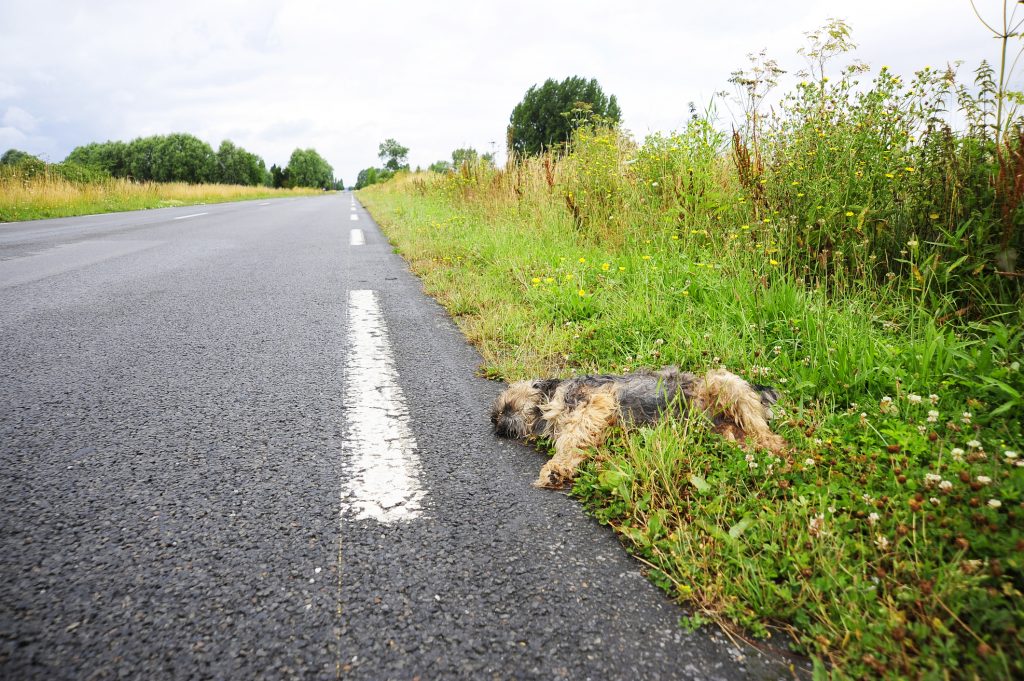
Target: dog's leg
point(577, 430)
point(728, 397)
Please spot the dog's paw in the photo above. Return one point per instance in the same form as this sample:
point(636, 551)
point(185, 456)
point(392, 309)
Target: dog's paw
point(551, 477)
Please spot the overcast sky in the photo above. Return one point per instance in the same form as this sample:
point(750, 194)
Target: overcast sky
point(341, 77)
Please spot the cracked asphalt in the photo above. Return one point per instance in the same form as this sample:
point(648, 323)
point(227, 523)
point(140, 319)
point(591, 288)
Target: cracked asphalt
point(172, 442)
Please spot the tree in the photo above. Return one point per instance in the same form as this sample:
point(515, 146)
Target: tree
point(278, 177)
point(396, 155)
point(235, 165)
point(440, 167)
point(180, 157)
point(547, 115)
point(15, 156)
point(307, 168)
point(110, 157)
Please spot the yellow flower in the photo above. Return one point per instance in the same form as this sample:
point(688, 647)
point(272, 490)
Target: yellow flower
point(622, 269)
point(766, 220)
point(794, 183)
point(849, 213)
point(605, 266)
point(536, 280)
point(909, 169)
point(582, 293)
point(685, 293)
point(745, 227)
point(582, 260)
point(549, 280)
point(799, 194)
point(890, 175)
point(933, 216)
point(568, 276)
point(647, 257)
point(773, 262)
point(675, 237)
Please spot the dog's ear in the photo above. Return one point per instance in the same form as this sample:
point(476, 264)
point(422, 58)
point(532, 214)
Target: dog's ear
point(547, 386)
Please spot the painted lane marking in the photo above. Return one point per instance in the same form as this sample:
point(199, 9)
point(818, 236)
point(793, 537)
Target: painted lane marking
point(354, 216)
point(264, 204)
point(352, 207)
point(356, 238)
point(380, 449)
point(193, 215)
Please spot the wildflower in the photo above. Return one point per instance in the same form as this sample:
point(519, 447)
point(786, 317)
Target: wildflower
point(973, 444)
point(912, 243)
point(536, 280)
point(886, 406)
point(909, 169)
point(890, 175)
point(745, 227)
point(773, 262)
point(809, 462)
point(605, 266)
point(957, 454)
point(549, 280)
point(933, 416)
point(945, 485)
point(849, 213)
point(684, 293)
point(817, 525)
point(863, 419)
point(582, 293)
point(881, 542)
point(622, 269)
point(583, 260)
point(914, 399)
point(932, 479)
point(966, 418)
point(654, 184)
point(647, 257)
point(934, 501)
point(933, 216)
point(933, 398)
point(799, 194)
point(873, 518)
point(921, 430)
point(1010, 455)
point(983, 479)
point(749, 457)
point(994, 503)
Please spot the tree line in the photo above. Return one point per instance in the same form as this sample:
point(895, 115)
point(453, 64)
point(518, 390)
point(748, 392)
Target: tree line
point(181, 157)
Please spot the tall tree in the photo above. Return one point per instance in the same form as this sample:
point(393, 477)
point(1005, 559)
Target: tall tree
point(394, 155)
point(307, 168)
point(548, 114)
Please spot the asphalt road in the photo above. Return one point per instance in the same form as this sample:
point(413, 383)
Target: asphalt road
point(194, 405)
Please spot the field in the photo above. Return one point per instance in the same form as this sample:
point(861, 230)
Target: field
point(50, 194)
point(855, 252)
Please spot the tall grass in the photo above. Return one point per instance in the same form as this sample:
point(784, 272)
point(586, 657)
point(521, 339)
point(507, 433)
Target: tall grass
point(50, 193)
point(856, 252)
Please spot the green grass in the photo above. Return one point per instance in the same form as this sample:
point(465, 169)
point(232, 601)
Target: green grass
point(51, 195)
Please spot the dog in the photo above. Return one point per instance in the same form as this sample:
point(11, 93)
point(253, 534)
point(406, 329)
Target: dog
point(576, 413)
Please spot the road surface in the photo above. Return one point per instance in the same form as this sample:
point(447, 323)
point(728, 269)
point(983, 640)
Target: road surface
point(238, 442)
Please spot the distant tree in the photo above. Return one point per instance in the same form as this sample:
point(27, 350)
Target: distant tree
point(110, 157)
point(463, 156)
point(139, 158)
point(235, 165)
point(440, 167)
point(278, 177)
point(547, 115)
point(14, 156)
point(394, 155)
point(306, 168)
point(181, 157)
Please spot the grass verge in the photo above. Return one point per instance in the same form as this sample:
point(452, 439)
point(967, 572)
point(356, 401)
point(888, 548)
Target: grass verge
point(888, 544)
point(48, 195)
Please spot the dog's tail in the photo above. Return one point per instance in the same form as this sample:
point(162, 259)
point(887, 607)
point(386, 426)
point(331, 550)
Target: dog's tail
point(723, 394)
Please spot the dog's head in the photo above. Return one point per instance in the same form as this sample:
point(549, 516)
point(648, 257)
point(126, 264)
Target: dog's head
point(516, 412)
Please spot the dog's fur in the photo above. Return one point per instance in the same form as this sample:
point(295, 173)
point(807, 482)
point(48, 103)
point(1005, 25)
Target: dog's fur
point(576, 413)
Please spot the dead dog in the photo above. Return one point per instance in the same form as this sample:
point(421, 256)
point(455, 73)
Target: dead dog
point(576, 413)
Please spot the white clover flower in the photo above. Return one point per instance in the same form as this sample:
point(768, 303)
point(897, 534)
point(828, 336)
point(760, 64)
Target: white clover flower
point(957, 454)
point(1019, 463)
point(933, 416)
point(881, 542)
point(817, 525)
point(809, 462)
point(749, 457)
point(1010, 455)
point(867, 498)
point(921, 430)
point(932, 479)
point(873, 518)
point(914, 399)
point(945, 485)
point(966, 418)
point(983, 479)
point(935, 501)
point(753, 465)
point(1015, 366)
point(886, 405)
point(973, 444)
point(933, 398)
point(994, 503)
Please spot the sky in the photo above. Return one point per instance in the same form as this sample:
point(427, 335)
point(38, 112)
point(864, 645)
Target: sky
point(341, 77)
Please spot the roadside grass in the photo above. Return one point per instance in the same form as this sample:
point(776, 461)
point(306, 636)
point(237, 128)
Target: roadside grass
point(51, 195)
point(855, 253)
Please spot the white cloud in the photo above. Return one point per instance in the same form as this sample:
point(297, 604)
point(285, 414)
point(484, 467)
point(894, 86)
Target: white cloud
point(275, 76)
point(16, 117)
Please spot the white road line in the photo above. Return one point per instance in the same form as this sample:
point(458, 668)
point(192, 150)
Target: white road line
point(352, 207)
point(193, 215)
point(356, 238)
point(265, 204)
point(383, 469)
point(354, 216)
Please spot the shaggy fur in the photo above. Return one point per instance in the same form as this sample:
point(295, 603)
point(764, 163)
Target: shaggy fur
point(576, 413)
